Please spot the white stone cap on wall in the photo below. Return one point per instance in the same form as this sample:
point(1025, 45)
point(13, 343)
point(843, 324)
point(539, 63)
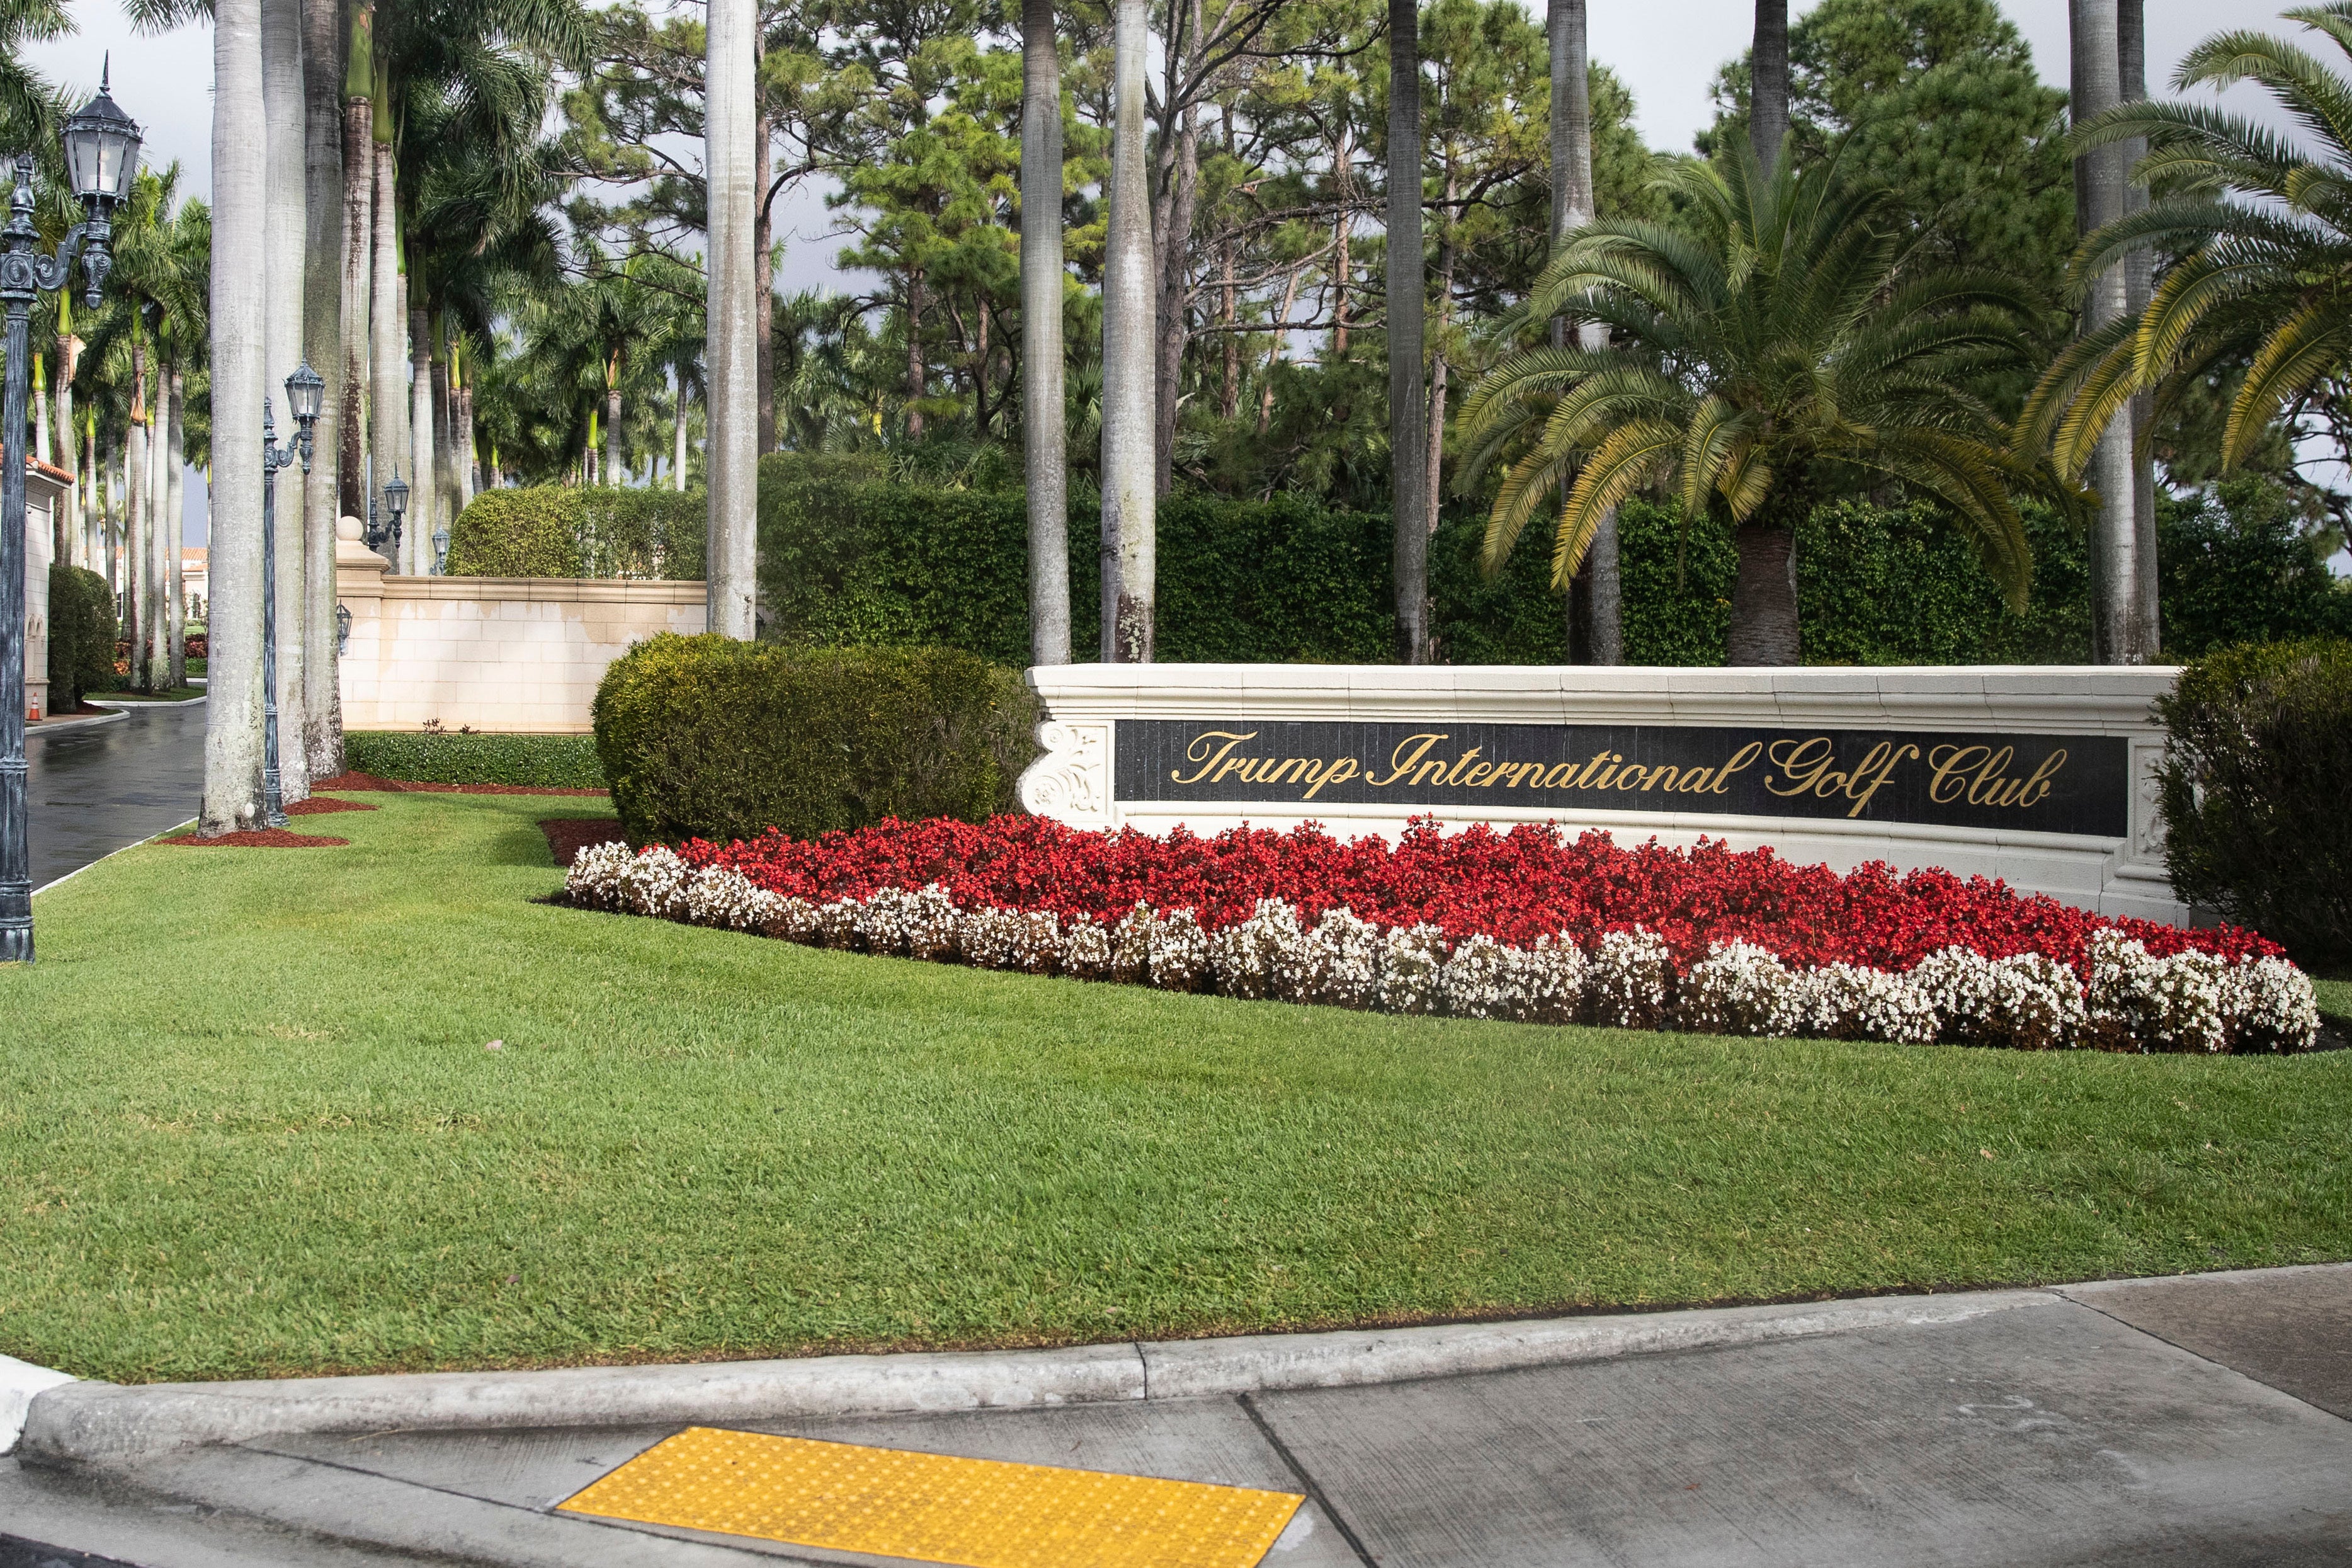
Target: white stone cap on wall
point(2035, 698)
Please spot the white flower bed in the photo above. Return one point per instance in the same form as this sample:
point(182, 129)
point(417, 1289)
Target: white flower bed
point(2130, 1001)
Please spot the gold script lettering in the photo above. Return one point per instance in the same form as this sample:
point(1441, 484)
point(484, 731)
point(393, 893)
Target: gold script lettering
point(1198, 751)
point(1399, 764)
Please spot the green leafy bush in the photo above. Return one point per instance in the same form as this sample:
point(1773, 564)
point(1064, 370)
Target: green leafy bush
point(2236, 569)
point(542, 762)
point(706, 737)
point(81, 637)
point(2257, 822)
point(569, 530)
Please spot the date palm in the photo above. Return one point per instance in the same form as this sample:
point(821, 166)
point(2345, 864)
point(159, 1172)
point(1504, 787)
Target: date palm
point(1788, 325)
point(2265, 280)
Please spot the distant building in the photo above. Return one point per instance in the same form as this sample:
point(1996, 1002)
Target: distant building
point(191, 580)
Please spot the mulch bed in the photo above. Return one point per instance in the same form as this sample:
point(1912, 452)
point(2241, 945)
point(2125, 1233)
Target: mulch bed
point(259, 838)
point(567, 836)
point(416, 786)
point(319, 806)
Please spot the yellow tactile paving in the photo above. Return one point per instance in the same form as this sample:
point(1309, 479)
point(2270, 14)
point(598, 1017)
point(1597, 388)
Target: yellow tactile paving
point(981, 1513)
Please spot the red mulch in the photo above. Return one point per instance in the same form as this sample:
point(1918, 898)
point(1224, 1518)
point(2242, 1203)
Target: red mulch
point(259, 838)
point(319, 806)
point(414, 786)
point(567, 836)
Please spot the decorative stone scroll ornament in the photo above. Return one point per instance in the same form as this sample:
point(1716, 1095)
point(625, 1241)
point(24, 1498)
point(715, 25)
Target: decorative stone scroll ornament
point(1071, 783)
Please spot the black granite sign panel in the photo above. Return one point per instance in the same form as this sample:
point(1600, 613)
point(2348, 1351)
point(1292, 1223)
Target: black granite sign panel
point(2039, 784)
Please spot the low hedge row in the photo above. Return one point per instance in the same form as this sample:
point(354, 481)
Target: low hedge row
point(2258, 825)
point(706, 737)
point(81, 637)
point(569, 530)
point(542, 762)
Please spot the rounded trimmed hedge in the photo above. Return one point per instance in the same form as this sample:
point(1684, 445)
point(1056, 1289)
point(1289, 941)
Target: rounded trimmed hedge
point(706, 737)
point(2258, 825)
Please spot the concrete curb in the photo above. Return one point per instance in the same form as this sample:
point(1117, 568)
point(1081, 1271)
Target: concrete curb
point(122, 707)
point(75, 721)
point(109, 1425)
point(20, 1382)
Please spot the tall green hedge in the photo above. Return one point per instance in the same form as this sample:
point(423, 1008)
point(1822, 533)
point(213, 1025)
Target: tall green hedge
point(706, 737)
point(849, 557)
point(81, 637)
point(569, 530)
point(2258, 823)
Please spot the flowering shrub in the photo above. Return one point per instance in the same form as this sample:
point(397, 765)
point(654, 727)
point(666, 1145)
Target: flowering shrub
point(1524, 925)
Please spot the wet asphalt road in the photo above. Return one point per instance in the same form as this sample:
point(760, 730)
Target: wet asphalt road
point(97, 788)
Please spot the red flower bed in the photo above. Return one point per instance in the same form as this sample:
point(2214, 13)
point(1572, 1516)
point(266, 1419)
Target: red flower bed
point(1513, 887)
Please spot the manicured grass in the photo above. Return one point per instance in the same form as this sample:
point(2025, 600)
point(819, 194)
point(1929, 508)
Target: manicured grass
point(2336, 1002)
point(298, 1155)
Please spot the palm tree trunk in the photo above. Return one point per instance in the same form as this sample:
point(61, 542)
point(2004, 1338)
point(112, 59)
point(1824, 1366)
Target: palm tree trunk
point(388, 391)
point(285, 242)
point(1768, 100)
point(321, 715)
point(2140, 269)
point(2099, 186)
point(139, 597)
point(1043, 417)
point(423, 498)
point(444, 455)
point(1408, 302)
point(69, 454)
point(763, 293)
point(358, 236)
point(731, 449)
point(1764, 597)
point(163, 531)
point(176, 464)
point(677, 442)
point(1449, 253)
point(1593, 605)
point(1127, 490)
point(1177, 208)
point(614, 471)
point(232, 714)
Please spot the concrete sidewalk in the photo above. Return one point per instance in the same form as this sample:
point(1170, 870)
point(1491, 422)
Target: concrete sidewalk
point(2206, 1419)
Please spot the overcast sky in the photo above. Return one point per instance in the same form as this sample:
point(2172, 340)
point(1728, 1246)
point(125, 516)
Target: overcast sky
point(1667, 50)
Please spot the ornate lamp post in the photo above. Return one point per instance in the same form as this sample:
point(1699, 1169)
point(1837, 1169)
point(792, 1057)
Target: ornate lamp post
point(386, 535)
point(304, 392)
point(441, 550)
point(101, 157)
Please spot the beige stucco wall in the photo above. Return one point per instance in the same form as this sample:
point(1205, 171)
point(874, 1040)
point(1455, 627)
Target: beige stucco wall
point(514, 654)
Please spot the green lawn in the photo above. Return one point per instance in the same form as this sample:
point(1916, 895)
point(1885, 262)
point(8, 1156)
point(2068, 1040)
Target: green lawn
point(292, 1153)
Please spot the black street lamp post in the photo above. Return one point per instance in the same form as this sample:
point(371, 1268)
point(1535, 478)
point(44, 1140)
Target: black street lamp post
point(304, 393)
point(102, 145)
point(385, 536)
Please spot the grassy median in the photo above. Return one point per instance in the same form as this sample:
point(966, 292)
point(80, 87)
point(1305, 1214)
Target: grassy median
point(248, 1126)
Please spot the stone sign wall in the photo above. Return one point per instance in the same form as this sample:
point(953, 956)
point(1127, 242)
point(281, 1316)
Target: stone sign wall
point(2040, 777)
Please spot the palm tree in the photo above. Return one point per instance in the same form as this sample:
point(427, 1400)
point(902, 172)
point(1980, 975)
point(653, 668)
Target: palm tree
point(1787, 327)
point(2263, 278)
point(1407, 300)
point(323, 188)
point(1129, 446)
point(28, 103)
point(1041, 356)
